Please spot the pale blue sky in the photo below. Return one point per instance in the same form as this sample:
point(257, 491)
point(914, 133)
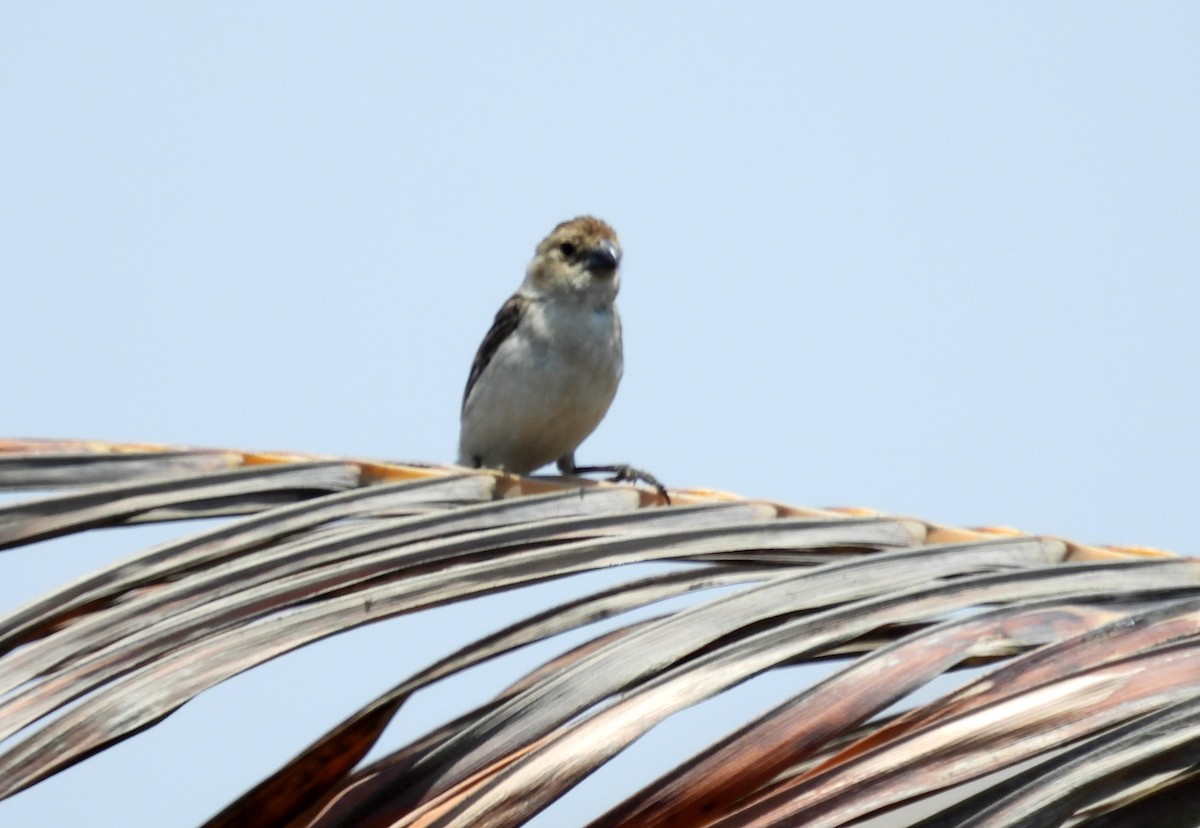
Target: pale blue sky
point(935, 258)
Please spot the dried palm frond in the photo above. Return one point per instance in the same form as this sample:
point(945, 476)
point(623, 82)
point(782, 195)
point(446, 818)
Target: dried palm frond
point(1088, 709)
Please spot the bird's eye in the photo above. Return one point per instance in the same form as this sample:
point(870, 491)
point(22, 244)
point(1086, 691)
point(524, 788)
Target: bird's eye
point(567, 249)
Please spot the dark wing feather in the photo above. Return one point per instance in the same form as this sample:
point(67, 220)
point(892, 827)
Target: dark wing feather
point(505, 323)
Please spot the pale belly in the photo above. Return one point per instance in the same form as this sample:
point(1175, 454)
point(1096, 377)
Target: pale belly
point(537, 401)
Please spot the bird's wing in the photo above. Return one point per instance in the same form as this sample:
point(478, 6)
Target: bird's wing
point(507, 319)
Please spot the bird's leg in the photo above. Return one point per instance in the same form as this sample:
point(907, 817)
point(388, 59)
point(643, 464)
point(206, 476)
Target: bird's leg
point(621, 472)
point(566, 464)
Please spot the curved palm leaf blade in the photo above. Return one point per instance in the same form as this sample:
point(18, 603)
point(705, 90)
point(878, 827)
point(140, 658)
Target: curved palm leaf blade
point(1093, 686)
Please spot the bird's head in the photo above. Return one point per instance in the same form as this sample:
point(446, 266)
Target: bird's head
point(579, 258)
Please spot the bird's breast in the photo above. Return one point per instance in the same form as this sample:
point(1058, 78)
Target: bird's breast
point(546, 389)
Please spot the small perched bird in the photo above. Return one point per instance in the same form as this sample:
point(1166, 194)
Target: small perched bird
point(548, 369)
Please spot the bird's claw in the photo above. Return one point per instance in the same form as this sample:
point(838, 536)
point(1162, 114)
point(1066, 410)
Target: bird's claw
point(625, 473)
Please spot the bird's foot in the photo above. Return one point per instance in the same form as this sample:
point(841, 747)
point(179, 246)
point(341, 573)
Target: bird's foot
point(623, 473)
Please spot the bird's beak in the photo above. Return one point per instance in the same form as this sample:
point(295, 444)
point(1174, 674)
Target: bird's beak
point(604, 258)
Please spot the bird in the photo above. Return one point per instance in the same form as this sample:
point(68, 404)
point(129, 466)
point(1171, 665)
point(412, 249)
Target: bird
point(548, 369)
